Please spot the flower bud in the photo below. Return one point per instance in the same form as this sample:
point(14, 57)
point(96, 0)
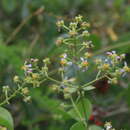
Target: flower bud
point(88, 44)
point(84, 64)
point(16, 79)
point(63, 61)
point(118, 72)
point(34, 60)
point(105, 66)
point(108, 125)
point(55, 87)
point(44, 69)
point(25, 90)
point(85, 33)
point(27, 99)
point(60, 23)
point(126, 68)
point(87, 55)
point(35, 75)
point(6, 88)
point(98, 61)
point(46, 60)
point(73, 25)
point(113, 81)
point(78, 18)
point(122, 56)
point(85, 25)
point(72, 33)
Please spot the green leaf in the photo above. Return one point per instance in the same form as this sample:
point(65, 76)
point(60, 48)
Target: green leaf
point(73, 114)
point(88, 88)
point(94, 127)
point(6, 119)
point(85, 109)
point(78, 126)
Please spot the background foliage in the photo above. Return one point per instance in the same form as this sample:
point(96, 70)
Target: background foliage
point(26, 31)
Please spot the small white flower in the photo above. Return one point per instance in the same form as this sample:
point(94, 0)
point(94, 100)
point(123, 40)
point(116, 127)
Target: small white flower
point(69, 63)
point(29, 65)
point(125, 63)
point(114, 52)
point(81, 58)
point(65, 55)
point(108, 127)
point(106, 60)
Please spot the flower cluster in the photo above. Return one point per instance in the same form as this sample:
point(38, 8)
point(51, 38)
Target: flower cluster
point(31, 70)
point(76, 43)
point(108, 126)
point(77, 55)
point(64, 60)
point(111, 66)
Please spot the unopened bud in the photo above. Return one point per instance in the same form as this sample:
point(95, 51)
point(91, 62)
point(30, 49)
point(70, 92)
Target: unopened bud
point(60, 23)
point(16, 79)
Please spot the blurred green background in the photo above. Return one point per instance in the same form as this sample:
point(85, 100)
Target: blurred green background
point(27, 31)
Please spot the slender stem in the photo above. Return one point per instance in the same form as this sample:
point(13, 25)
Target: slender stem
point(66, 28)
point(10, 97)
point(62, 74)
point(81, 49)
point(93, 81)
point(76, 109)
point(99, 72)
point(108, 77)
point(6, 96)
point(84, 110)
point(78, 98)
point(42, 81)
point(54, 80)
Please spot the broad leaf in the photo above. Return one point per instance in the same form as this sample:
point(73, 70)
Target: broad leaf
point(6, 119)
point(73, 114)
point(85, 109)
point(78, 126)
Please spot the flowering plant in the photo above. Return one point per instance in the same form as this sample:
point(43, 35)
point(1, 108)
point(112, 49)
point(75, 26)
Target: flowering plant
point(77, 56)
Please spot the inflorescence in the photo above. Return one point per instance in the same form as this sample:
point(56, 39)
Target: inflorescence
point(77, 52)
